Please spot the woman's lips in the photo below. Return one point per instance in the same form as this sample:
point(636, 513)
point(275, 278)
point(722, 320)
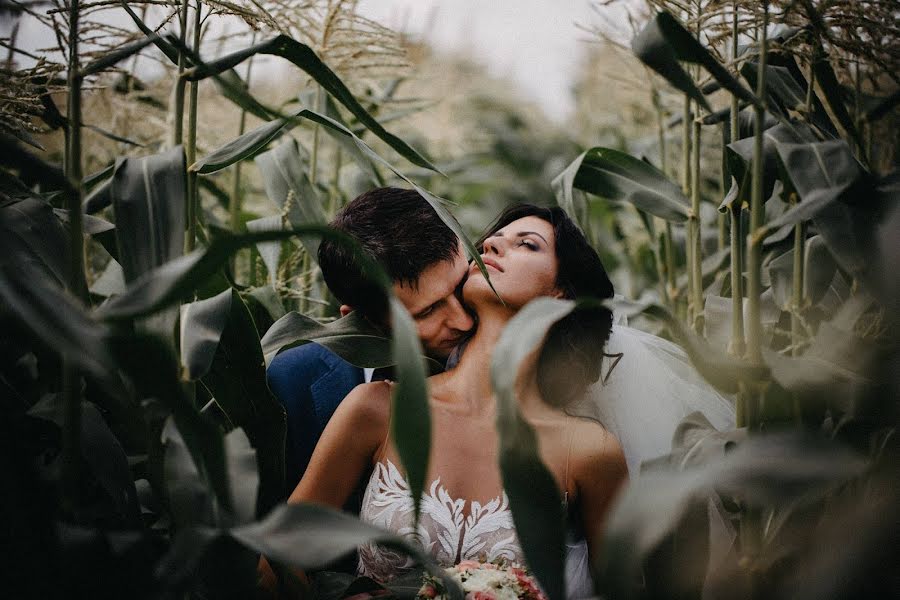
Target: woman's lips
point(489, 262)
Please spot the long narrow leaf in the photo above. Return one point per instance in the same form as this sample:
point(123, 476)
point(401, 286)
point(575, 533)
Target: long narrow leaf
point(303, 57)
point(240, 148)
point(307, 536)
point(353, 338)
point(237, 380)
point(178, 278)
point(148, 196)
point(821, 173)
point(119, 54)
point(617, 176)
point(534, 497)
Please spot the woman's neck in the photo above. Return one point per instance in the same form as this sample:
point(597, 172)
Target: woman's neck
point(470, 380)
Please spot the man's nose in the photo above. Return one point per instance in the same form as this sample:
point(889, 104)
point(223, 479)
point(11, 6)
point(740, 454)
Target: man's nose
point(458, 318)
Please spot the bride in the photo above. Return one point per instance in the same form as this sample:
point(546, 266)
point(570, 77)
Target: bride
point(531, 252)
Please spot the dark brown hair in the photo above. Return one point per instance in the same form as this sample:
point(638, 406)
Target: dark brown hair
point(570, 359)
point(398, 229)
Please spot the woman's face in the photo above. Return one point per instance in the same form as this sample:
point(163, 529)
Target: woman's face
point(521, 262)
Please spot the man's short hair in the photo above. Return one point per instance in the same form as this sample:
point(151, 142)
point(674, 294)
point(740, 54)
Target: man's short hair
point(400, 230)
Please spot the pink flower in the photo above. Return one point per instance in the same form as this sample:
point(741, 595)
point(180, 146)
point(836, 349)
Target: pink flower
point(480, 596)
point(429, 591)
point(468, 565)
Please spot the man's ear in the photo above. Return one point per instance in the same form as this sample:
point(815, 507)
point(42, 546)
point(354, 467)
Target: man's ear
point(346, 309)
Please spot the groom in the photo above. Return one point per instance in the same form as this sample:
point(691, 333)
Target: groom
point(427, 265)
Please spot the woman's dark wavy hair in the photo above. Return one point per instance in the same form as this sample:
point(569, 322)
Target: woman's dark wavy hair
point(570, 359)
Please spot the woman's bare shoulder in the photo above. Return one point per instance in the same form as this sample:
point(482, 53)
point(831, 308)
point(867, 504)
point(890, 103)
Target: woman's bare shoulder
point(594, 446)
point(369, 401)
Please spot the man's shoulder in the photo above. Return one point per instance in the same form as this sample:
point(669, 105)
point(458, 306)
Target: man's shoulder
point(308, 359)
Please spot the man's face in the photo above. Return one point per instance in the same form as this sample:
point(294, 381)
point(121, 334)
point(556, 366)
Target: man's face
point(435, 305)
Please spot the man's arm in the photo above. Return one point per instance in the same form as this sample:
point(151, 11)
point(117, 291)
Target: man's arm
point(309, 381)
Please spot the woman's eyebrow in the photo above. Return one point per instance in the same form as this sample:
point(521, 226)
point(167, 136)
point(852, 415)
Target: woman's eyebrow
point(524, 233)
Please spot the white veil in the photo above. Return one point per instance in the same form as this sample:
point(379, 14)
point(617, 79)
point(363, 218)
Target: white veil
point(651, 388)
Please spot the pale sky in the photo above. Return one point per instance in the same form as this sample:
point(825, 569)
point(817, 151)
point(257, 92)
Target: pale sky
point(534, 43)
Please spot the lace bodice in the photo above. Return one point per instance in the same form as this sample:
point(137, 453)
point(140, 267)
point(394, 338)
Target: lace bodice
point(445, 530)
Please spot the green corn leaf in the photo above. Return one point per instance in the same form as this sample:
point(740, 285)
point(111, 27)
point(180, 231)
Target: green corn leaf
point(308, 536)
point(91, 181)
point(202, 323)
point(739, 157)
point(304, 58)
point(766, 470)
point(665, 41)
point(270, 252)
point(654, 48)
point(286, 182)
point(101, 230)
point(150, 365)
point(723, 372)
point(119, 54)
point(178, 278)
point(411, 414)
point(240, 148)
point(821, 173)
point(833, 95)
point(149, 197)
point(353, 338)
point(236, 378)
point(33, 237)
point(617, 176)
point(361, 158)
point(534, 498)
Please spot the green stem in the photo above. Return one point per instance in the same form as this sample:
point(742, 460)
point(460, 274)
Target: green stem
point(235, 206)
point(797, 299)
point(754, 248)
point(696, 251)
point(737, 345)
point(71, 442)
point(335, 182)
point(665, 262)
point(686, 189)
point(314, 154)
point(178, 126)
point(193, 199)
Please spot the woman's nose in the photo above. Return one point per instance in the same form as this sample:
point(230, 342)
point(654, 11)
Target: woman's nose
point(493, 244)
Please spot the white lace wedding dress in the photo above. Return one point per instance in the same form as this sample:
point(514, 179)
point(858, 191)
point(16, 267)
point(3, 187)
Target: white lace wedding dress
point(448, 531)
point(651, 389)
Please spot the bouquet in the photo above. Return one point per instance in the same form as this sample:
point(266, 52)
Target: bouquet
point(485, 581)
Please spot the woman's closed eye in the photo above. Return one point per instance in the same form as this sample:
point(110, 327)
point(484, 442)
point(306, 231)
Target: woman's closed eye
point(529, 244)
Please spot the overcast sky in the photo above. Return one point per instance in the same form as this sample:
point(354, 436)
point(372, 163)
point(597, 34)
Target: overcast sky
point(535, 43)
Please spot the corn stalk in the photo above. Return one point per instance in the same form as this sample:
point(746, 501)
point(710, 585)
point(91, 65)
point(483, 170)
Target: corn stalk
point(71, 443)
point(193, 196)
point(737, 345)
point(180, 83)
point(665, 253)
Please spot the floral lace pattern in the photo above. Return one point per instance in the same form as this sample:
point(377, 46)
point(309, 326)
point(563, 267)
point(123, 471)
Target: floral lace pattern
point(445, 532)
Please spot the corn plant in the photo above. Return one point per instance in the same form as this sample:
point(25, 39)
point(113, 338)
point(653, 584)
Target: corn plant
point(147, 447)
point(811, 298)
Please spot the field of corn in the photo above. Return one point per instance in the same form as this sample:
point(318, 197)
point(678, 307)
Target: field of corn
point(160, 210)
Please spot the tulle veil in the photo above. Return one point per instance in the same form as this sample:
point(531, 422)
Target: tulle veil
point(650, 389)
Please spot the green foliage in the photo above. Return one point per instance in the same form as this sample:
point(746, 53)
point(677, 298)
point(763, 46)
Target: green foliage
point(179, 444)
